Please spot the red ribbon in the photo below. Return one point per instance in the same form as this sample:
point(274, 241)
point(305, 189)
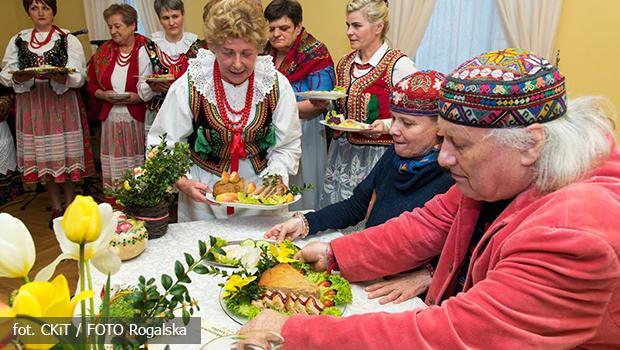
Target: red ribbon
point(237, 151)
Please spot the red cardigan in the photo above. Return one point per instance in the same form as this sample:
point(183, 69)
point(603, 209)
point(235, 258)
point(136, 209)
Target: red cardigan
point(100, 69)
point(547, 275)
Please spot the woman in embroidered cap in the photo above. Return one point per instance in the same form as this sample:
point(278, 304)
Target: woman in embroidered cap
point(406, 177)
point(53, 145)
point(369, 74)
point(307, 64)
point(232, 106)
point(530, 255)
point(116, 78)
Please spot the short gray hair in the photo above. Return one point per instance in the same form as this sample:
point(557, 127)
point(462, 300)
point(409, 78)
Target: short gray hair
point(170, 5)
point(574, 144)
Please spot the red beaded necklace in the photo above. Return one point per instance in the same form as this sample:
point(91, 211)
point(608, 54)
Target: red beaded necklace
point(123, 59)
point(35, 43)
point(174, 65)
point(361, 67)
point(222, 102)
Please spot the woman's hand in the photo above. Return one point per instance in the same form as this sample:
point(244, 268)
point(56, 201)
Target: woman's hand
point(133, 99)
point(290, 229)
point(60, 78)
point(401, 287)
point(315, 254)
point(260, 330)
point(160, 86)
point(375, 130)
point(320, 104)
point(21, 76)
point(195, 190)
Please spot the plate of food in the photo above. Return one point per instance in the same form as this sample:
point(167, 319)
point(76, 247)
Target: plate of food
point(233, 191)
point(46, 69)
point(160, 78)
point(284, 285)
point(119, 96)
point(340, 123)
point(336, 93)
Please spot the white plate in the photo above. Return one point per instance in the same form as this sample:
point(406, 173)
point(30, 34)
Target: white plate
point(159, 79)
point(119, 96)
point(344, 128)
point(242, 320)
point(253, 206)
point(321, 95)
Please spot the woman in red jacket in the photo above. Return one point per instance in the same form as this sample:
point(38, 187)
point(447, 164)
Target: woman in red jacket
point(530, 254)
point(116, 77)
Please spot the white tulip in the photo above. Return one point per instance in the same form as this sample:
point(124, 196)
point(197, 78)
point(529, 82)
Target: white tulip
point(16, 246)
point(98, 251)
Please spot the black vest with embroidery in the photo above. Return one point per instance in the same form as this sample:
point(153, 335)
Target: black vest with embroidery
point(214, 157)
point(56, 56)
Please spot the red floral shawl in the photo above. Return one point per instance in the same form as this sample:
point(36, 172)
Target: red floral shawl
point(307, 55)
point(100, 68)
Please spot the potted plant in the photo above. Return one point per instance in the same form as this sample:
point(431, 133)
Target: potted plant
point(146, 191)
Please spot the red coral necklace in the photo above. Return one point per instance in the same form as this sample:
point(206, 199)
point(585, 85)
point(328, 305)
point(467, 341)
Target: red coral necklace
point(35, 43)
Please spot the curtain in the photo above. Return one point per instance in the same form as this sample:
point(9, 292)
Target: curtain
point(531, 24)
point(148, 16)
point(93, 11)
point(408, 21)
point(457, 31)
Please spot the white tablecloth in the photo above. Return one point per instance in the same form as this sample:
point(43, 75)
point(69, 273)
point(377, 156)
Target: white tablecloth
point(161, 254)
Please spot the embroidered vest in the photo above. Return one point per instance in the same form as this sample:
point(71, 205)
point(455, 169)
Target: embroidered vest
point(210, 142)
point(377, 82)
point(56, 56)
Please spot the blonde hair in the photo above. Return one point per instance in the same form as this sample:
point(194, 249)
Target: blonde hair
point(574, 143)
point(236, 19)
point(374, 10)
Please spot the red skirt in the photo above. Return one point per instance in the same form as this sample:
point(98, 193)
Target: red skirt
point(53, 141)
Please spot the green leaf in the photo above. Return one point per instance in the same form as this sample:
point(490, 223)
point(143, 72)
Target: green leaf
point(212, 240)
point(166, 281)
point(185, 279)
point(186, 317)
point(178, 269)
point(189, 259)
point(150, 281)
point(202, 247)
point(218, 251)
point(141, 279)
point(178, 290)
point(201, 270)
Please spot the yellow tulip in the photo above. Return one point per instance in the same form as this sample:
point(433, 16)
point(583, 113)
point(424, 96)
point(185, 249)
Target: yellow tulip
point(82, 221)
point(126, 185)
point(17, 247)
point(43, 300)
point(282, 253)
point(236, 282)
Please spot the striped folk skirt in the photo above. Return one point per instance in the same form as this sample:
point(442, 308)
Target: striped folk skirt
point(122, 145)
point(53, 142)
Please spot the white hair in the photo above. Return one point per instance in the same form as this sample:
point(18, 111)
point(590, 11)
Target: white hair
point(574, 143)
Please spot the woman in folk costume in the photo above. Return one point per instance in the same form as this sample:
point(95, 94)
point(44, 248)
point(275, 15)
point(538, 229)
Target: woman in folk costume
point(307, 64)
point(10, 185)
point(114, 77)
point(369, 73)
point(236, 111)
point(168, 52)
point(52, 134)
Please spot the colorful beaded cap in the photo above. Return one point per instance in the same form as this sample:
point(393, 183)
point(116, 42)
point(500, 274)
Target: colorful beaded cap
point(502, 89)
point(417, 94)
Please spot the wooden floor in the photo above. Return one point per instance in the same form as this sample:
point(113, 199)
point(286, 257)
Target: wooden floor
point(36, 217)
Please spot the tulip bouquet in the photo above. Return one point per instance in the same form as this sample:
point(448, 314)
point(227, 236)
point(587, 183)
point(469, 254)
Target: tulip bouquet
point(84, 235)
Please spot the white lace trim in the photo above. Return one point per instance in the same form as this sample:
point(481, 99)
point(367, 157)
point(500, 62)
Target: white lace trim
point(201, 72)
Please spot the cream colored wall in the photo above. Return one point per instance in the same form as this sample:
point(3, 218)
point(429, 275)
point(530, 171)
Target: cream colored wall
point(70, 15)
point(589, 41)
